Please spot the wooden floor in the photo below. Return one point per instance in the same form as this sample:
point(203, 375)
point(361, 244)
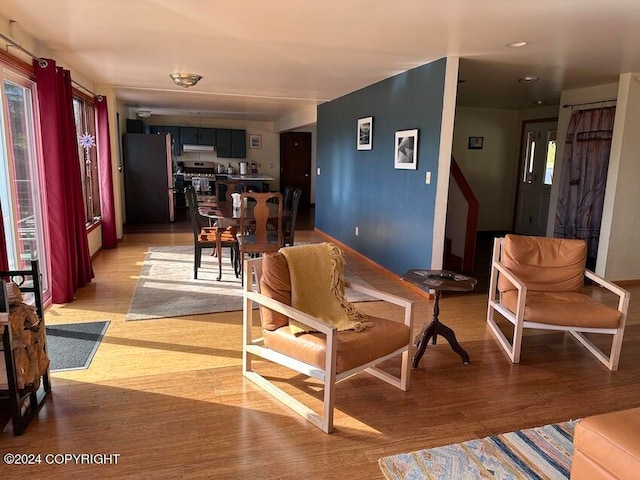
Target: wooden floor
point(168, 396)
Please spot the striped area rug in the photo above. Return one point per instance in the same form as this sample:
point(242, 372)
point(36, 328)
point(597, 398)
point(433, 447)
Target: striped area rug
point(535, 453)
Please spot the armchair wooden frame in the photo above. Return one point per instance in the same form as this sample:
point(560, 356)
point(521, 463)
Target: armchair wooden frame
point(513, 346)
point(327, 375)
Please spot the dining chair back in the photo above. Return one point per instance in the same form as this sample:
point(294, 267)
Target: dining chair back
point(257, 212)
point(231, 186)
point(290, 223)
point(204, 236)
point(287, 197)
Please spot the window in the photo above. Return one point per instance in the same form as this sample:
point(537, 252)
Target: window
point(85, 120)
point(551, 158)
point(529, 158)
point(20, 176)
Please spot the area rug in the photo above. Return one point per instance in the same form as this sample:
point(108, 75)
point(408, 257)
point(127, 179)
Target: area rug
point(72, 346)
point(535, 453)
point(166, 287)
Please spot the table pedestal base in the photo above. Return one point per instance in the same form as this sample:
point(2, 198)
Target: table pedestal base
point(431, 332)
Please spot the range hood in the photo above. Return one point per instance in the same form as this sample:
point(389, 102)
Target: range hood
point(198, 148)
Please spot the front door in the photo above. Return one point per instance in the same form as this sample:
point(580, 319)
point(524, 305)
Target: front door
point(295, 164)
point(535, 178)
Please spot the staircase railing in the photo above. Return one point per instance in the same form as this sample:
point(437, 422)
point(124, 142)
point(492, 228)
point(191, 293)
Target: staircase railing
point(472, 216)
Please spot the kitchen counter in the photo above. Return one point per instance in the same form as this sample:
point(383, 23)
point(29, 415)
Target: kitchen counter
point(252, 176)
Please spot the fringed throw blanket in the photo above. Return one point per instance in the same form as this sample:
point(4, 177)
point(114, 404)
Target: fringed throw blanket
point(317, 287)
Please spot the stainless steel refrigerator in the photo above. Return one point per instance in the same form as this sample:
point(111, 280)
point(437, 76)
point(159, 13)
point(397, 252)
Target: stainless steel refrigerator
point(148, 178)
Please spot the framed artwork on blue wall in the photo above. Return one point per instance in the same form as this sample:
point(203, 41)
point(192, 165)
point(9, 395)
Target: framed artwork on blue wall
point(365, 133)
point(406, 149)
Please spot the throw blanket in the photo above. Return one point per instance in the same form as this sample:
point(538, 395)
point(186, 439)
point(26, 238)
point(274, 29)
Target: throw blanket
point(317, 287)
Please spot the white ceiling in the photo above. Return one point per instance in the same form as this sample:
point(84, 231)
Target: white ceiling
point(262, 60)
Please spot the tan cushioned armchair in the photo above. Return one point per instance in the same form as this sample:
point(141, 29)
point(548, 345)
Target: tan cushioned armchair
point(538, 282)
point(325, 354)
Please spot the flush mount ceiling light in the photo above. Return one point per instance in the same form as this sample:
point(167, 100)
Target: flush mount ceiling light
point(528, 79)
point(185, 80)
point(143, 113)
point(517, 44)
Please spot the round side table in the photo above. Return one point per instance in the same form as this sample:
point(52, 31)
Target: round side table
point(438, 281)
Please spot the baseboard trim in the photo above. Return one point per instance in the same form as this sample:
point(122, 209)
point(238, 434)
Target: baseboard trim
point(626, 283)
point(375, 265)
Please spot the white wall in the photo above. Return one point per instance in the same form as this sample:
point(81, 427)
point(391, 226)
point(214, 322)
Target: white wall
point(618, 253)
point(492, 171)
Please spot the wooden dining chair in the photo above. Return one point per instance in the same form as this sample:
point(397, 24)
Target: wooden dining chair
point(258, 211)
point(290, 222)
point(205, 236)
point(231, 187)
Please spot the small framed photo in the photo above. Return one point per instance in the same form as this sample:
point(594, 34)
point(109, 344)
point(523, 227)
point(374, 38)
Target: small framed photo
point(365, 133)
point(475, 143)
point(406, 149)
point(255, 141)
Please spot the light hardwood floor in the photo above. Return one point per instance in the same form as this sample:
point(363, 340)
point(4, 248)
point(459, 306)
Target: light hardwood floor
point(168, 395)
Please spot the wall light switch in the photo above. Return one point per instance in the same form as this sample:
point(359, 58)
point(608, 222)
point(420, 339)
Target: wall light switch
point(427, 178)
point(318, 171)
point(357, 231)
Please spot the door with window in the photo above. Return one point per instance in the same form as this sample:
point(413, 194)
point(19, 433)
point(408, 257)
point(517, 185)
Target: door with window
point(535, 177)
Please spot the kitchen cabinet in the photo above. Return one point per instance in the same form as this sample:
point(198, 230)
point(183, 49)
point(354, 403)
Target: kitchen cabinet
point(188, 136)
point(223, 142)
point(176, 146)
point(238, 144)
point(231, 143)
point(207, 136)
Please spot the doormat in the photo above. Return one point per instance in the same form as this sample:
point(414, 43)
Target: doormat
point(72, 346)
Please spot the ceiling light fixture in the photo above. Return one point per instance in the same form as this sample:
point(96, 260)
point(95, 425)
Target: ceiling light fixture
point(517, 44)
point(185, 80)
point(528, 79)
point(143, 113)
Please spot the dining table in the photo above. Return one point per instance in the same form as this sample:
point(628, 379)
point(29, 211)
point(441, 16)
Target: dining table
point(225, 214)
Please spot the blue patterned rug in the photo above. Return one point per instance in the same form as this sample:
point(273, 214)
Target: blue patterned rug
point(535, 453)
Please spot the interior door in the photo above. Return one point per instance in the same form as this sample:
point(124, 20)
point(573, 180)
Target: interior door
point(295, 164)
point(535, 178)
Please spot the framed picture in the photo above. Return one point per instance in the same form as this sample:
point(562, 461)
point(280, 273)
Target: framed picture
point(406, 149)
point(475, 143)
point(365, 133)
point(255, 141)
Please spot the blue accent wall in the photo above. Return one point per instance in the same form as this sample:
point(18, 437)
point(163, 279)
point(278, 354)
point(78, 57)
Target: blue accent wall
point(393, 209)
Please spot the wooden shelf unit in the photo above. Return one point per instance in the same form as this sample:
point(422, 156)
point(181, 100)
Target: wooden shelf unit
point(23, 405)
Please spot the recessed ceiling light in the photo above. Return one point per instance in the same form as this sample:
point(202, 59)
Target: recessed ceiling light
point(539, 102)
point(517, 44)
point(528, 79)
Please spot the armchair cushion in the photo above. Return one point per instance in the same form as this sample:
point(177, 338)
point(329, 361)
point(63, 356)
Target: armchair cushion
point(275, 283)
point(570, 309)
point(530, 259)
point(354, 348)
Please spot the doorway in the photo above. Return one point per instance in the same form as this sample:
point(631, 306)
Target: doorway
point(295, 164)
point(538, 152)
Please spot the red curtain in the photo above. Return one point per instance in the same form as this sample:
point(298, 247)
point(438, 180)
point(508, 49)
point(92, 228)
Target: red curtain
point(69, 252)
point(4, 259)
point(107, 209)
